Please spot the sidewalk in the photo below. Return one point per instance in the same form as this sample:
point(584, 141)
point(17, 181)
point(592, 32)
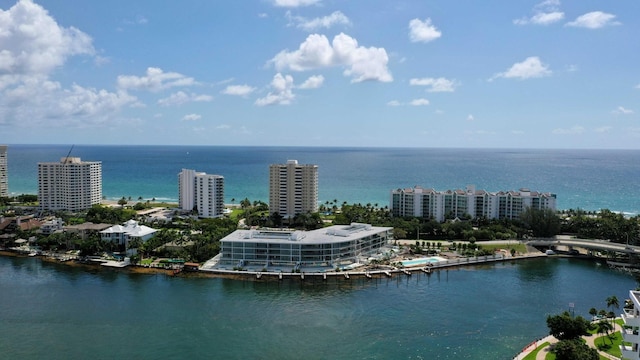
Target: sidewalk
point(589, 340)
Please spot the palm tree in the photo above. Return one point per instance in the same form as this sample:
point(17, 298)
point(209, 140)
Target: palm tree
point(612, 302)
point(604, 327)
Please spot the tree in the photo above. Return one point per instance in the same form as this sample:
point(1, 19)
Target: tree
point(612, 302)
point(574, 349)
point(565, 327)
point(122, 201)
point(593, 312)
point(603, 327)
point(541, 222)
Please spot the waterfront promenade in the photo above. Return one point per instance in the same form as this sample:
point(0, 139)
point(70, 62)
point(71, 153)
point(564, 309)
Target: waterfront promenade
point(549, 341)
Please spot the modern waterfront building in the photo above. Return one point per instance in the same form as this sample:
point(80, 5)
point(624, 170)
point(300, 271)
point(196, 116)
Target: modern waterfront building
point(71, 184)
point(334, 246)
point(202, 192)
point(293, 188)
point(4, 172)
point(631, 331)
point(441, 205)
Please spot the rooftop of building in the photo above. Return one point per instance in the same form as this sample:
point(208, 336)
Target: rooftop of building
point(331, 234)
point(471, 190)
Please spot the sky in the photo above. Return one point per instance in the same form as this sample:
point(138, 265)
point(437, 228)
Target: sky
point(356, 73)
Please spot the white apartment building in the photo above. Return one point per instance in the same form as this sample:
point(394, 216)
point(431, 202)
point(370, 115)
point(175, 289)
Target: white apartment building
point(71, 184)
point(293, 188)
point(440, 205)
point(631, 331)
point(201, 191)
point(4, 172)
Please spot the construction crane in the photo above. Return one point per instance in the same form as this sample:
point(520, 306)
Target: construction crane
point(66, 159)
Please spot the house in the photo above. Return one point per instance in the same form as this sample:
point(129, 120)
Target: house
point(127, 232)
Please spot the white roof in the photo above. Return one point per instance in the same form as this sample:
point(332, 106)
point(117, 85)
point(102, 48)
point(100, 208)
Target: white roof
point(332, 234)
point(131, 228)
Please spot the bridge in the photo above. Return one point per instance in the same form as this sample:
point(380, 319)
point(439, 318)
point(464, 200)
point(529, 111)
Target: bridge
point(599, 245)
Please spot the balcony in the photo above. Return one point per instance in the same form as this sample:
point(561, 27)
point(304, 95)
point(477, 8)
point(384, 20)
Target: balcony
point(629, 318)
point(630, 335)
point(627, 352)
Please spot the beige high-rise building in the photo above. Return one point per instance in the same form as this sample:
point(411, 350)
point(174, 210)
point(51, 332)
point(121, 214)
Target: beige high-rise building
point(293, 188)
point(71, 184)
point(4, 172)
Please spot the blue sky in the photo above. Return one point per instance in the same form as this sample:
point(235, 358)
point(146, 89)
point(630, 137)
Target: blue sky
point(442, 73)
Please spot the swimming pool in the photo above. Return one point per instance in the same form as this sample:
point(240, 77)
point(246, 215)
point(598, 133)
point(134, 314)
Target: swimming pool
point(422, 261)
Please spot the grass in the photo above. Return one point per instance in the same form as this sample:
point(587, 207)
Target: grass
point(532, 355)
point(610, 344)
point(521, 248)
point(146, 261)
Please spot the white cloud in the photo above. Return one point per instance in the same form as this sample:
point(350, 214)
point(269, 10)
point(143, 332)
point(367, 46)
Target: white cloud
point(154, 80)
point(326, 22)
point(531, 67)
point(470, 117)
point(517, 132)
point(620, 110)
point(263, 15)
point(281, 93)
point(238, 90)
point(181, 97)
point(32, 42)
point(435, 84)
point(191, 117)
point(394, 103)
point(638, 86)
point(541, 18)
point(419, 102)
point(594, 20)
point(39, 102)
point(223, 127)
point(423, 31)
point(316, 52)
point(603, 129)
point(575, 130)
point(313, 82)
point(546, 13)
point(294, 3)
point(32, 46)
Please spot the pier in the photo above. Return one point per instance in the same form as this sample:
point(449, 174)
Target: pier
point(370, 273)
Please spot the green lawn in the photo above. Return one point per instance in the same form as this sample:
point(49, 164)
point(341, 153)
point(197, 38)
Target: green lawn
point(532, 355)
point(611, 344)
point(521, 248)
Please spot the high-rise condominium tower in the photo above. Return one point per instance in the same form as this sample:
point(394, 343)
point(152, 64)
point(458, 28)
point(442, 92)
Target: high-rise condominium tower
point(204, 192)
point(4, 175)
point(70, 184)
point(293, 188)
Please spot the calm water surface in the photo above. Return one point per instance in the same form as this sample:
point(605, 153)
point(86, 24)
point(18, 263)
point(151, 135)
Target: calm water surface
point(489, 312)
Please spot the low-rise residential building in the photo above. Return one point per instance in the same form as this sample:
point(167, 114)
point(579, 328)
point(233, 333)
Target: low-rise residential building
point(127, 232)
point(631, 331)
point(85, 229)
point(334, 246)
point(449, 204)
point(51, 226)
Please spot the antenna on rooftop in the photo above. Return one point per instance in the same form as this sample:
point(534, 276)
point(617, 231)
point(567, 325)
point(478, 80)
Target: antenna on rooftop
point(66, 159)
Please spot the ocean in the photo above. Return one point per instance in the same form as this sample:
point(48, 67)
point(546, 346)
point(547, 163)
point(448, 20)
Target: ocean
point(586, 179)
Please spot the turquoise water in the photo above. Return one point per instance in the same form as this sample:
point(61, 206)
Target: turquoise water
point(420, 261)
point(587, 179)
point(489, 312)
